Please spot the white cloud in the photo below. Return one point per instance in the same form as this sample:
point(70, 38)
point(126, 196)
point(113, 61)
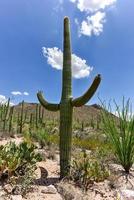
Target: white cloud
point(15, 93)
point(4, 100)
point(25, 93)
point(93, 25)
point(92, 5)
point(96, 9)
point(73, 1)
point(54, 56)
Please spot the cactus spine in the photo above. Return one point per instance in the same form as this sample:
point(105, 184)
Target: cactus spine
point(67, 103)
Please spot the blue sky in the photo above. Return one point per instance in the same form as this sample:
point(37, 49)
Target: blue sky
point(102, 34)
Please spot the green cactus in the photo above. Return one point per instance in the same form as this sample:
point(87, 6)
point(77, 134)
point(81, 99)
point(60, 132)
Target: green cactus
point(5, 113)
point(22, 116)
point(37, 115)
point(67, 103)
point(31, 122)
point(11, 118)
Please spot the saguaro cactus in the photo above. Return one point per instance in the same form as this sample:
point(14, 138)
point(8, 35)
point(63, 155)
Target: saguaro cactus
point(67, 103)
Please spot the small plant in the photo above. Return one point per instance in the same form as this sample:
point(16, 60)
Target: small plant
point(16, 159)
point(42, 137)
point(120, 132)
point(87, 170)
point(90, 144)
point(24, 182)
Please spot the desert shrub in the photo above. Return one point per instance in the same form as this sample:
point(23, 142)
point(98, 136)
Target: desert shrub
point(90, 144)
point(86, 170)
point(16, 159)
point(23, 183)
point(120, 132)
point(43, 137)
point(105, 154)
point(40, 135)
point(54, 139)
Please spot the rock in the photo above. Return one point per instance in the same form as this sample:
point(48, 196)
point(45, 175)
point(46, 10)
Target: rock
point(16, 190)
point(68, 191)
point(8, 188)
point(2, 194)
point(126, 194)
point(16, 197)
point(49, 190)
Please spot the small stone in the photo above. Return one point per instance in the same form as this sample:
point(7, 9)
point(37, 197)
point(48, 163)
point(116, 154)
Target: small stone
point(16, 197)
point(8, 188)
point(49, 190)
point(2, 193)
point(126, 194)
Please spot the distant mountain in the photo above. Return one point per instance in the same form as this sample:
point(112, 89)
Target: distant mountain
point(84, 113)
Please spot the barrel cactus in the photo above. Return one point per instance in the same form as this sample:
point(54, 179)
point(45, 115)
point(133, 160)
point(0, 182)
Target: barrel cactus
point(67, 103)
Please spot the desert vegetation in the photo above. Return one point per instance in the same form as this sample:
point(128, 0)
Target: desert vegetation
point(91, 148)
point(100, 144)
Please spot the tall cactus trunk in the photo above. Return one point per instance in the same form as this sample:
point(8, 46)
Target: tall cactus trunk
point(66, 109)
point(67, 103)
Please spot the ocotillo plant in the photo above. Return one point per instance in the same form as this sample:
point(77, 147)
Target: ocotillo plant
point(67, 103)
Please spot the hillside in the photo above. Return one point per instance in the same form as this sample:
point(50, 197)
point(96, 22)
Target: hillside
point(85, 113)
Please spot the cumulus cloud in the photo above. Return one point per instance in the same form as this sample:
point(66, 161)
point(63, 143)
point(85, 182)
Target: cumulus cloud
point(54, 56)
point(25, 93)
point(4, 100)
point(92, 5)
point(96, 15)
point(93, 25)
point(73, 1)
point(15, 93)
point(18, 93)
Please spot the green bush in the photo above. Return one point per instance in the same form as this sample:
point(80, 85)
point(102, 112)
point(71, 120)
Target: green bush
point(42, 137)
point(16, 159)
point(86, 170)
point(90, 144)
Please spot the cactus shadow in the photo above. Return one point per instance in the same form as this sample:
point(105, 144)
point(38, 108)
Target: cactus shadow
point(46, 182)
point(44, 179)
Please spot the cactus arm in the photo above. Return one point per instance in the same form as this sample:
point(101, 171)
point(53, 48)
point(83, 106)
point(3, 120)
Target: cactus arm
point(88, 94)
point(44, 103)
